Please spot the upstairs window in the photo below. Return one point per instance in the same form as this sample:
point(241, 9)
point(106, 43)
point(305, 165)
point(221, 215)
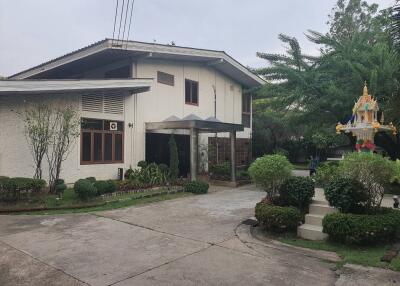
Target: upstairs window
point(165, 78)
point(191, 92)
point(102, 141)
point(246, 110)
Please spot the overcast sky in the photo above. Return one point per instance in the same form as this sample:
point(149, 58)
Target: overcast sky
point(34, 31)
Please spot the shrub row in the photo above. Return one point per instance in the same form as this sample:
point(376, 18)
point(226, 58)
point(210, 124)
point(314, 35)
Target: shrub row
point(196, 187)
point(18, 188)
point(90, 187)
point(363, 228)
point(276, 218)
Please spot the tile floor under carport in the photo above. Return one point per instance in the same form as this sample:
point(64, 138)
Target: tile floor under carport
point(187, 241)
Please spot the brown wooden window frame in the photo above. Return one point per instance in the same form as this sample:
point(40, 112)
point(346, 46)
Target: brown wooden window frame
point(191, 82)
point(160, 79)
point(246, 110)
point(103, 133)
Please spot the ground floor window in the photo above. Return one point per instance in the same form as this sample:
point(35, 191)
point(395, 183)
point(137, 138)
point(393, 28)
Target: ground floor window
point(102, 141)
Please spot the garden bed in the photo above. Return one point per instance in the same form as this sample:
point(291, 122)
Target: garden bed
point(362, 255)
point(71, 203)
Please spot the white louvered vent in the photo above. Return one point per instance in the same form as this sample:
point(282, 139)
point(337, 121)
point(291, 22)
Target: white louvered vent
point(113, 104)
point(92, 102)
point(103, 103)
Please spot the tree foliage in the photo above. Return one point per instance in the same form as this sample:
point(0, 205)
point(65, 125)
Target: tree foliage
point(312, 93)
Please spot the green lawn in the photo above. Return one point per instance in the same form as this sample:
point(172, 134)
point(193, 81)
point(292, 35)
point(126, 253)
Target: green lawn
point(70, 199)
point(301, 166)
point(367, 256)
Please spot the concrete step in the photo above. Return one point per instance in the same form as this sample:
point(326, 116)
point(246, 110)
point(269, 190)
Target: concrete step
point(311, 232)
point(314, 219)
point(321, 209)
point(320, 202)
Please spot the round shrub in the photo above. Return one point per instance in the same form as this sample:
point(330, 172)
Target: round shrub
point(105, 187)
point(60, 186)
point(269, 172)
point(85, 189)
point(348, 195)
point(372, 170)
point(277, 219)
point(142, 164)
point(297, 192)
point(196, 187)
point(128, 173)
point(362, 228)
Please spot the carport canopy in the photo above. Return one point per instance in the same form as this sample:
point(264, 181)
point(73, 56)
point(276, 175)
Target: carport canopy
point(197, 125)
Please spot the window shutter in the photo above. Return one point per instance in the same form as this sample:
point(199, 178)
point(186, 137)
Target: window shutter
point(92, 103)
point(107, 103)
point(113, 104)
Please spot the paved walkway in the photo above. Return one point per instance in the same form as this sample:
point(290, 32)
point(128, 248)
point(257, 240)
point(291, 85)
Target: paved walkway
point(187, 241)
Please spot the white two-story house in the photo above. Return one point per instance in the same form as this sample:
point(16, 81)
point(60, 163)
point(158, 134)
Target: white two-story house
point(131, 96)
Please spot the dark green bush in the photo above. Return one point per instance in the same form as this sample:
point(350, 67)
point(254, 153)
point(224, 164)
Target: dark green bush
point(326, 172)
point(142, 164)
point(2, 180)
point(60, 186)
point(173, 158)
point(128, 173)
point(163, 168)
point(363, 228)
point(105, 187)
point(278, 219)
point(85, 189)
point(14, 189)
point(91, 179)
point(297, 192)
point(348, 195)
point(196, 187)
point(220, 171)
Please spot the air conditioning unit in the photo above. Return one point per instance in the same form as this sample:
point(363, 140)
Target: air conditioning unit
point(113, 126)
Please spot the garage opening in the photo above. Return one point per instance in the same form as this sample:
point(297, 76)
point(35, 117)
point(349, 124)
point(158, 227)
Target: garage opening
point(157, 150)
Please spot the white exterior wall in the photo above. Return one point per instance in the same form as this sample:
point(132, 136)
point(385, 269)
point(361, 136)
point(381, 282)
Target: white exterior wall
point(163, 100)
point(15, 155)
point(159, 103)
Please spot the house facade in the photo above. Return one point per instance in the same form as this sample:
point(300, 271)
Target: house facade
point(132, 97)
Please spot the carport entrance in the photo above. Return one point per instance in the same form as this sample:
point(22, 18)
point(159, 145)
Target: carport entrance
point(157, 150)
point(196, 125)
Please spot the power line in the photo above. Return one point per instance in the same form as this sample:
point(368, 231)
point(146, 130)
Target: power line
point(126, 16)
point(115, 21)
point(120, 21)
point(130, 21)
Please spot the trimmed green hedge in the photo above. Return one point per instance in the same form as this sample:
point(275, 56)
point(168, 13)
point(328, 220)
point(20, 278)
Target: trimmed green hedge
point(348, 195)
point(297, 192)
point(278, 219)
point(15, 189)
point(105, 187)
point(384, 226)
point(85, 189)
point(196, 187)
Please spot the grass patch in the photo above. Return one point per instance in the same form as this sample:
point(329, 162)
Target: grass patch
point(301, 166)
point(363, 255)
point(70, 199)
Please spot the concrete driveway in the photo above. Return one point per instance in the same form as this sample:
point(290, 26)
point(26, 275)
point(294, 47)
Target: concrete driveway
point(187, 241)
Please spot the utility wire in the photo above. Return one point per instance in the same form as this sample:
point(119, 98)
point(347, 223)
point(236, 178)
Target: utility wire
point(120, 21)
point(126, 16)
point(115, 21)
point(130, 22)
